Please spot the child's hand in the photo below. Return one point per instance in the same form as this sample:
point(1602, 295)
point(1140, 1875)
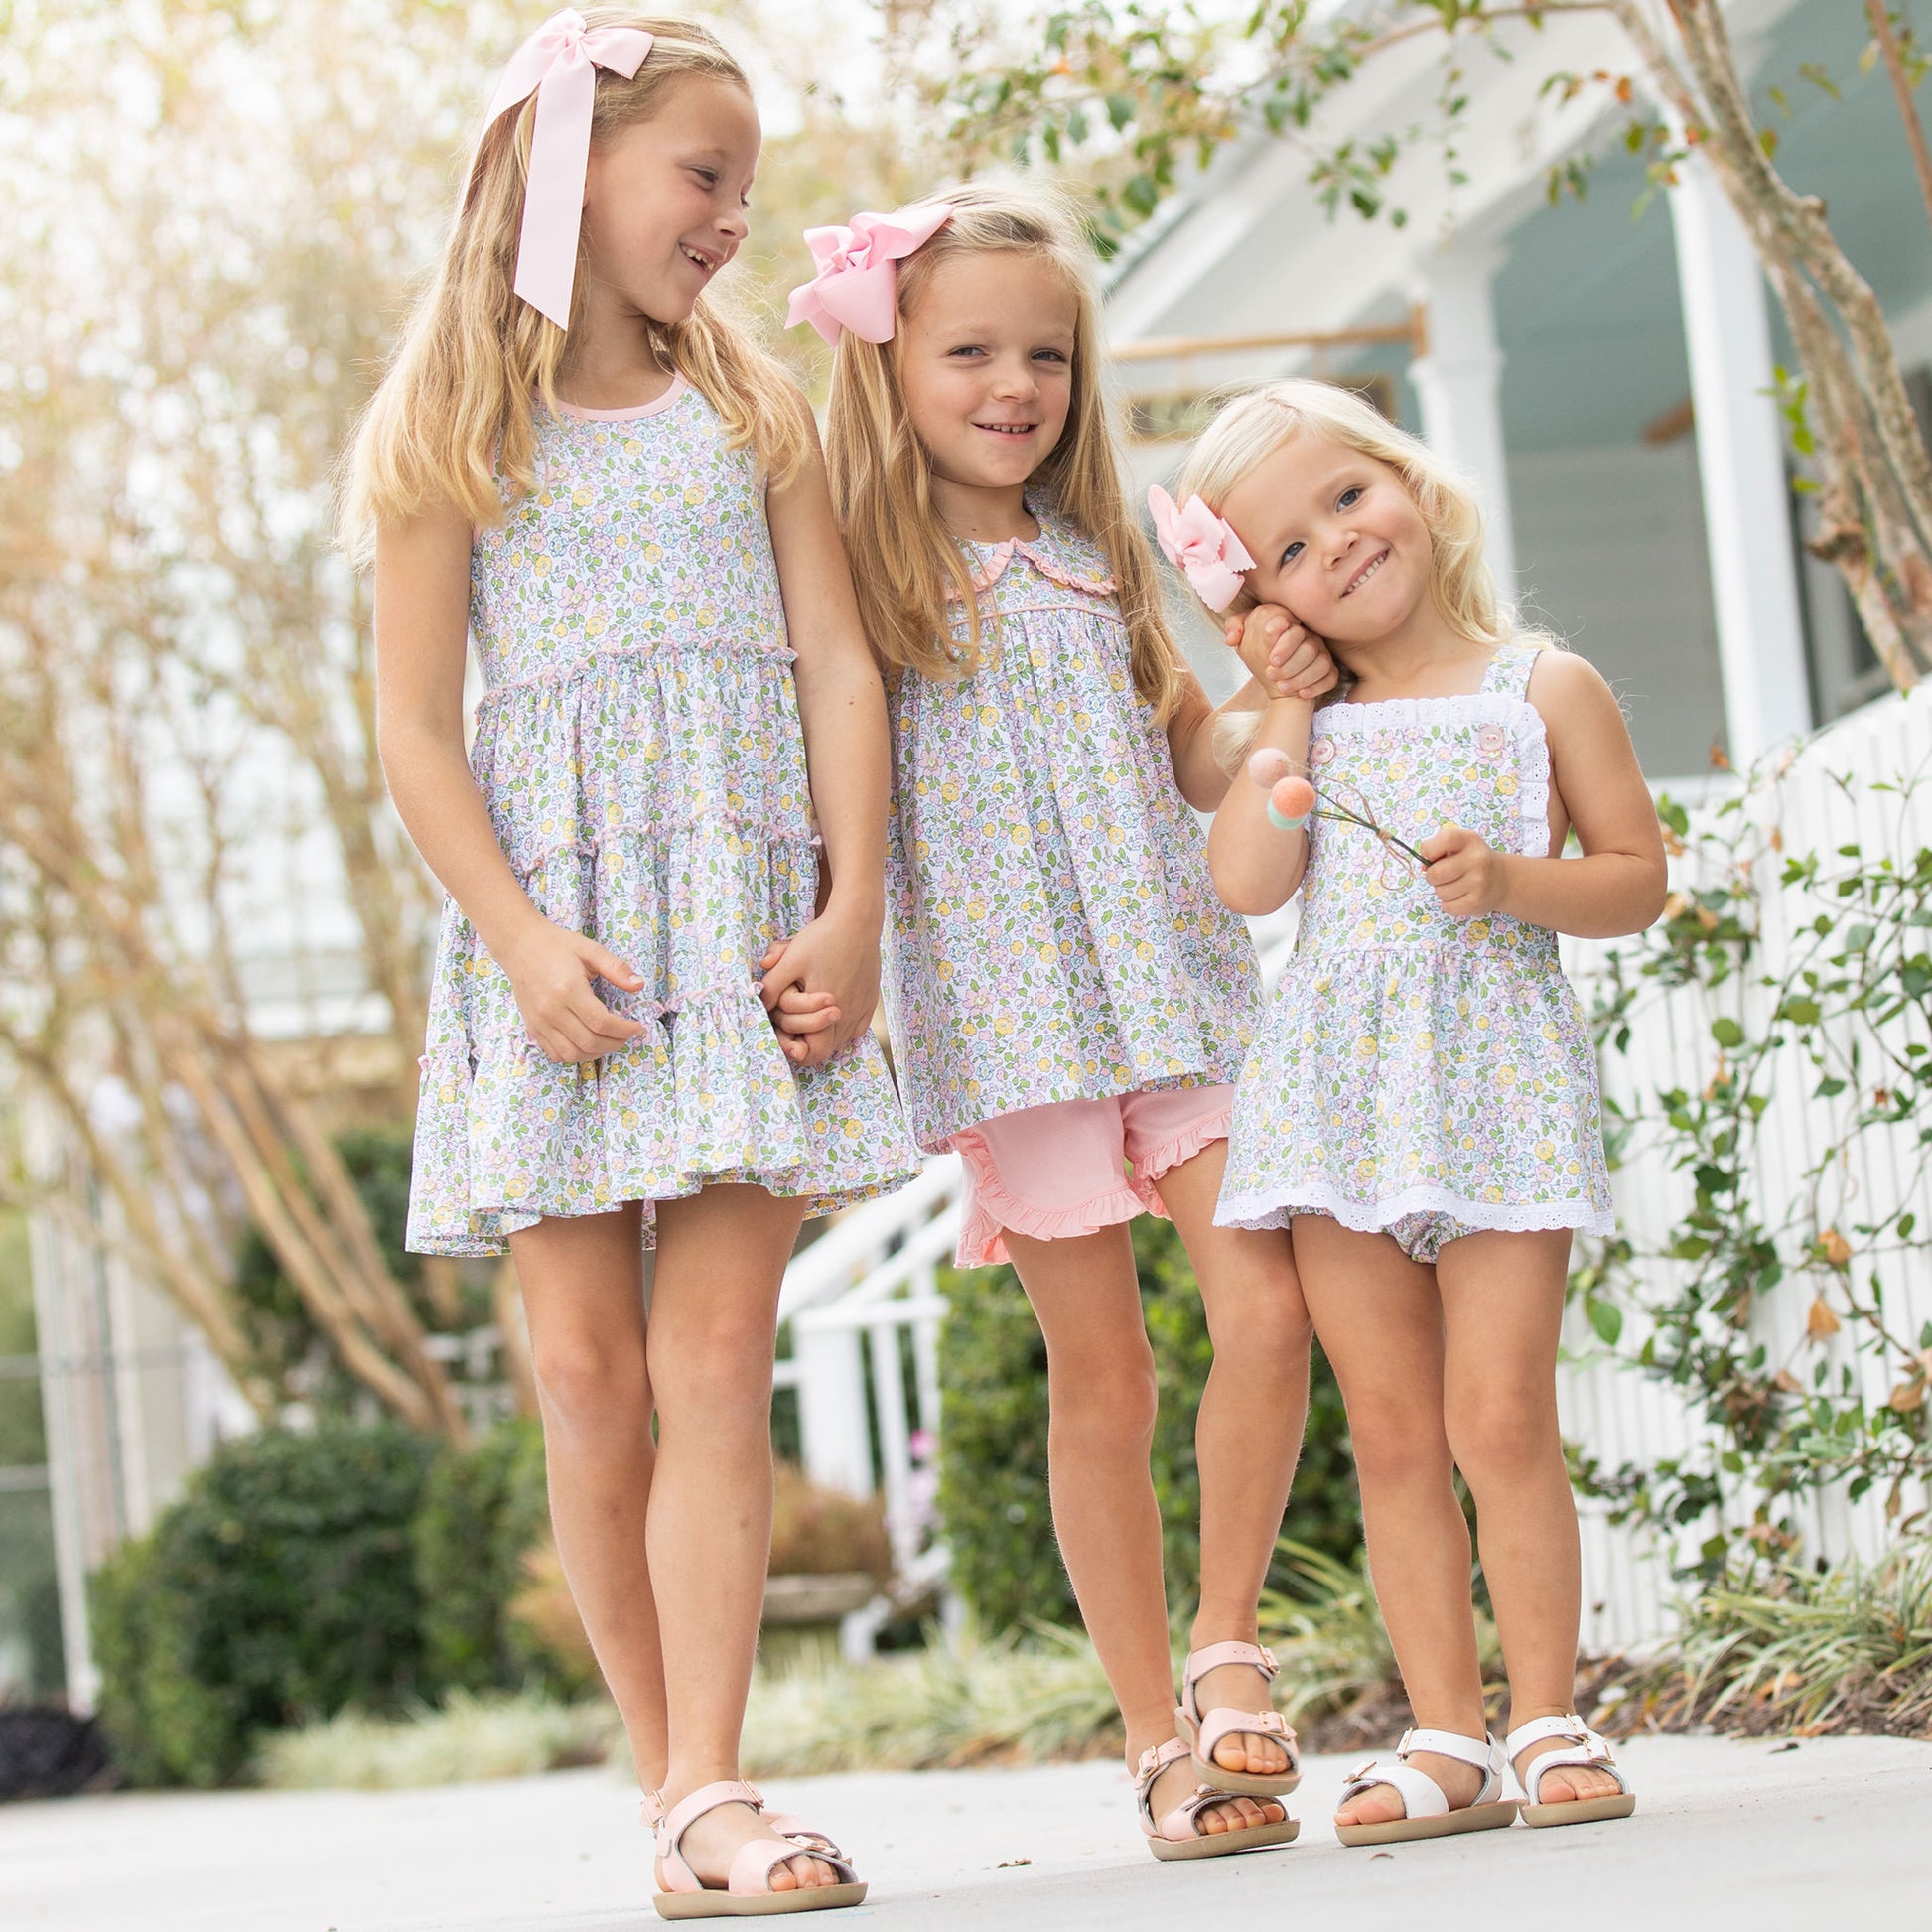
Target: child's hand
point(1288, 661)
point(550, 973)
point(1466, 870)
point(821, 985)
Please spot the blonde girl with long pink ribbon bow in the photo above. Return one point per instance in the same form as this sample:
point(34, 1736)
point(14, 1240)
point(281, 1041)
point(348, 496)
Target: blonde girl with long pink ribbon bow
point(577, 460)
point(1068, 1000)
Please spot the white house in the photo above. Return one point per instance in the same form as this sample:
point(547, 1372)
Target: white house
point(1605, 377)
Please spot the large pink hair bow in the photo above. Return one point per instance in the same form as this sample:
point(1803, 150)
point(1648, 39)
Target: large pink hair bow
point(857, 284)
point(1201, 544)
point(558, 63)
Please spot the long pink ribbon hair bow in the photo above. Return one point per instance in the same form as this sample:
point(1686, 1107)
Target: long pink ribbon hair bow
point(558, 63)
point(857, 284)
point(1203, 546)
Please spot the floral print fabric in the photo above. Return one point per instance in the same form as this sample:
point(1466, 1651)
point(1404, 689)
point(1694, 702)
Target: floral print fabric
point(1412, 1064)
point(640, 752)
point(1052, 933)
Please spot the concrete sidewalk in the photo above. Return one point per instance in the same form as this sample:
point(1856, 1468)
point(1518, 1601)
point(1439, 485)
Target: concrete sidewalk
point(1726, 1835)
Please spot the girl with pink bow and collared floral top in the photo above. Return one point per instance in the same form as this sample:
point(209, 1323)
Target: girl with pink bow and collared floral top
point(1420, 1102)
point(622, 500)
point(1068, 1000)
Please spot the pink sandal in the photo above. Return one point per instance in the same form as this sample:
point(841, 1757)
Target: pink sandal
point(1205, 1733)
point(1178, 1834)
point(747, 1893)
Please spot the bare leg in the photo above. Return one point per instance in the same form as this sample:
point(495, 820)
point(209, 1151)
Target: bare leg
point(721, 1257)
point(1380, 1319)
point(583, 1292)
point(1101, 1390)
point(1502, 1297)
point(1248, 1433)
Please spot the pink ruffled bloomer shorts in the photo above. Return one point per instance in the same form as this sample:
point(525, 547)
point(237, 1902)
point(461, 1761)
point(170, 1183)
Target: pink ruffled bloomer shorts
point(1078, 1165)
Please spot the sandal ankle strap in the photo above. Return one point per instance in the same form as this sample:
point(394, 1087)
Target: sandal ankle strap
point(674, 1823)
point(1156, 1760)
point(1537, 1730)
point(1213, 1656)
point(1477, 1751)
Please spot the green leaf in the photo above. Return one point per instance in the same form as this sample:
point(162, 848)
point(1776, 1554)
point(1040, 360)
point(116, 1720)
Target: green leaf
point(1120, 110)
point(1606, 1318)
point(1728, 1033)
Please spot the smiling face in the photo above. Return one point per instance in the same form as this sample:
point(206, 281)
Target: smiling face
point(1336, 538)
point(986, 367)
point(664, 200)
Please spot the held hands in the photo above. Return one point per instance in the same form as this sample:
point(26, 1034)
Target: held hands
point(550, 973)
point(1286, 660)
point(821, 985)
point(1466, 870)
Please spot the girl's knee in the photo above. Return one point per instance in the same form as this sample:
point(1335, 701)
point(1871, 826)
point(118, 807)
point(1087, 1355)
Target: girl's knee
point(1114, 1394)
point(1503, 1440)
point(585, 1382)
point(722, 1373)
point(1396, 1441)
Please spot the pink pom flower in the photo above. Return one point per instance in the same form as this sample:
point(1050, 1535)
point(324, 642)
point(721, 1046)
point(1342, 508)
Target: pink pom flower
point(1293, 799)
point(1269, 767)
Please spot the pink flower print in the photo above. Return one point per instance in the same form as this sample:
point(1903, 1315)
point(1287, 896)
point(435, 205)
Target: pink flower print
point(1490, 741)
point(1321, 751)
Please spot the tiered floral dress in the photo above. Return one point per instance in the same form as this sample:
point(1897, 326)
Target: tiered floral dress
point(639, 750)
point(1413, 1064)
point(1052, 931)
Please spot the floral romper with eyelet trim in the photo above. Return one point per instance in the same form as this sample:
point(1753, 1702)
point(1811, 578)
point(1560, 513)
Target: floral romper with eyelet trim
point(639, 750)
point(1419, 1074)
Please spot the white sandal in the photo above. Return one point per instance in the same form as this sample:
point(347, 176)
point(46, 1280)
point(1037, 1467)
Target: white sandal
point(1178, 1834)
point(747, 1892)
point(1587, 1751)
point(1425, 1806)
point(1206, 1732)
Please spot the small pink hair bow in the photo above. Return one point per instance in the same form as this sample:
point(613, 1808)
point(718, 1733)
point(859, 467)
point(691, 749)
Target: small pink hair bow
point(857, 284)
point(558, 63)
point(1202, 545)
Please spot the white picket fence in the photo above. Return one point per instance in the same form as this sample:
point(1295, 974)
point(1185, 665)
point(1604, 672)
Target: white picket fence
point(1607, 1407)
point(863, 1307)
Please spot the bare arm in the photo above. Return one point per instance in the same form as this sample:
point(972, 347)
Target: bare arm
point(1618, 885)
point(1254, 865)
point(422, 600)
point(1282, 660)
point(842, 707)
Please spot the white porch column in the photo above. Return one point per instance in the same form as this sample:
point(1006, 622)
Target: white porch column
point(1460, 385)
point(1740, 466)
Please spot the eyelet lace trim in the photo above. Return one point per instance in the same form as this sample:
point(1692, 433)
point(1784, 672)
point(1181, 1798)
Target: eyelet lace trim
point(1517, 716)
point(1257, 1210)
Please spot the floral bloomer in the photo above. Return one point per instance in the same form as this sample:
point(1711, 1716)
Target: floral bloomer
point(1418, 1073)
point(640, 752)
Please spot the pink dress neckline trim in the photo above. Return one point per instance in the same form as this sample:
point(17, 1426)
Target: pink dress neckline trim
point(636, 414)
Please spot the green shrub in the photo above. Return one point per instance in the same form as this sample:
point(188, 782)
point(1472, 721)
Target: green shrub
point(484, 1510)
point(278, 1589)
point(287, 1345)
point(993, 1496)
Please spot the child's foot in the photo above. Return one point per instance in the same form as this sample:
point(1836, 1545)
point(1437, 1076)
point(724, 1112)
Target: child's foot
point(1585, 1786)
point(1178, 1782)
point(1383, 1804)
point(1242, 1687)
point(711, 1842)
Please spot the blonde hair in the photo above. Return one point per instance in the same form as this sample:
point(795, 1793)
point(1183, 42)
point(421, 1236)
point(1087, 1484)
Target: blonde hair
point(454, 420)
point(907, 563)
point(1252, 426)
